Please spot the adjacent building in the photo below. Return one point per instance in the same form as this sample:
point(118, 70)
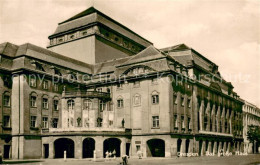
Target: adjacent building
point(101, 87)
point(251, 117)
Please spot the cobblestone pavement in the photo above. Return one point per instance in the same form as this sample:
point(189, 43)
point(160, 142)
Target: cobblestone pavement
point(232, 160)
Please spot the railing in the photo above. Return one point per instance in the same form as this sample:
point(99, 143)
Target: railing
point(84, 129)
point(90, 94)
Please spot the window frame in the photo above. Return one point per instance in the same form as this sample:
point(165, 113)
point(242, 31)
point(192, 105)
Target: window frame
point(45, 85)
point(9, 121)
point(45, 105)
point(155, 99)
point(45, 123)
point(33, 120)
point(32, 82)
point(6, 102)
point(55, 106)
point(70, 104)
point(120, 103)
point(155, 122)
point(33, 101)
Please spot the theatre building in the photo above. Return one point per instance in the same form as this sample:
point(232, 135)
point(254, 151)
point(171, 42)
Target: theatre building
point(101, 87)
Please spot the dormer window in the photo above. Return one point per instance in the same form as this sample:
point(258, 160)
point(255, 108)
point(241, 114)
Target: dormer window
point(38, 66)
point(84, 33)
point(57, 72)
point(72, 36)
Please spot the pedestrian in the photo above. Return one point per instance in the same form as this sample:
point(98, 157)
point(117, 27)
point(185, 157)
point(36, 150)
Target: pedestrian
point(125, 159)
point(107, 155)
point(114, 154)
point(139, 153)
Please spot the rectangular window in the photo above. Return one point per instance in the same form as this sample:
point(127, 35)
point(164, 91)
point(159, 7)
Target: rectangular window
point(56, 87)
point(55, 123)
point(33, 101)
point(119, 86)
point(33, 121)
point(189, 123)
point(189, 103)
point(138, 148)
point(7, 101)
point(155, 99)
point(7, 121)
point(175, 121)
point(182, 122)
point(110, 122)
point(45, 85)
point(182, 101)
point(136, 84)
point(156, 122)
point(56, 105)
point(102, 105)
point(32, 82)
point(45, 122)
point(120, 103)
point(45, 103)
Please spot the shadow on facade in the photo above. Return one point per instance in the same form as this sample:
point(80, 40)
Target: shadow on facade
point(155, 148)
point(64, 144)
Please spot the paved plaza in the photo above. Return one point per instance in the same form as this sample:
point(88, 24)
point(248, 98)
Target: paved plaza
point(232, 160)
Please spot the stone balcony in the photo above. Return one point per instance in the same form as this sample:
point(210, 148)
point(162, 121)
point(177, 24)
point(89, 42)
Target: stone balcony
point(88, 94)
point(215, 133)
point(85, 129)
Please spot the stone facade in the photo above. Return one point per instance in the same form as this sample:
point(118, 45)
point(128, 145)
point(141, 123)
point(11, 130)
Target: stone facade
point(103, 88)
point(251, 116)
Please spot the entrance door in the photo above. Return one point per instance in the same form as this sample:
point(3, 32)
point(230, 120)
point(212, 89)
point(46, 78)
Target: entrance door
point(127, 147)
point(7, 151)
point(46, 150)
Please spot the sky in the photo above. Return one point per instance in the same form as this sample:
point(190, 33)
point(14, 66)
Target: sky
point(225, 31)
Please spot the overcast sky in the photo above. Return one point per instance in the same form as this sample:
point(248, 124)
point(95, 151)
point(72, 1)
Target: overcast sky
point(225, 31)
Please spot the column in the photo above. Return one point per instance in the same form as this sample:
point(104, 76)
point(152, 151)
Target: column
point(78, 147)
point(209, 149)
point(208, 116)
point(167, 147)
point(191, 146)
point(229, 147)
point(122, 147)
point(202, 115)
point(225, 146)
point(174, 147)
point(183, 145)
point(99, 146)
point(220, 146)
point(215, 148)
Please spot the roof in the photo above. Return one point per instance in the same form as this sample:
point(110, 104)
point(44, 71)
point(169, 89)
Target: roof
point(147, 54)
point(91, 16)
point(40, 53)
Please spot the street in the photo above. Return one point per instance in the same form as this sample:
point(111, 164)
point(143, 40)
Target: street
point(236, 160)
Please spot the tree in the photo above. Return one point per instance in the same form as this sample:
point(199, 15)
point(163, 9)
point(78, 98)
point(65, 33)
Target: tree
point(253, 135)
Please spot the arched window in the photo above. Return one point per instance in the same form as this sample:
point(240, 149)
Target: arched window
point(7, 99)
point(137, 100)
point(33, 99)
point(87, 104)
point(120, 102)
point(71, 104)
point(155, 97)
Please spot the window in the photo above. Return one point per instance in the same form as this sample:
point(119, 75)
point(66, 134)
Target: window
point(102, 105)
point(45, 122)
point(175, 121)
point(137, 100)
point(182, 122)
point(189, 103)
point(182, 101)
point(155, 81)
point(56, 87)
point(120, 103)
point(99, 122)
point(110, 122)
point(138, 148)
point(87, 104)
point(33, 121)
point(7, 121)
point(99, 89)
point(54, 123)
point(57, 72)
point(86, 122)
point(56, 105)
point(45, 103)
point(45, 85)
point(155, 121)
point(189, 123)
point(33, 101)
point(155, 99)
point(119, 86)
point(136, 84)
point(32, 82)
point(7, 101)
point(39, 66)
point(175, 99)
point(71, 104)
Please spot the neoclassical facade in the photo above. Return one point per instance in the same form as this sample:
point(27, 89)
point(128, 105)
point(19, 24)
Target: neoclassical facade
point(101, 87)
point(251, 116)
